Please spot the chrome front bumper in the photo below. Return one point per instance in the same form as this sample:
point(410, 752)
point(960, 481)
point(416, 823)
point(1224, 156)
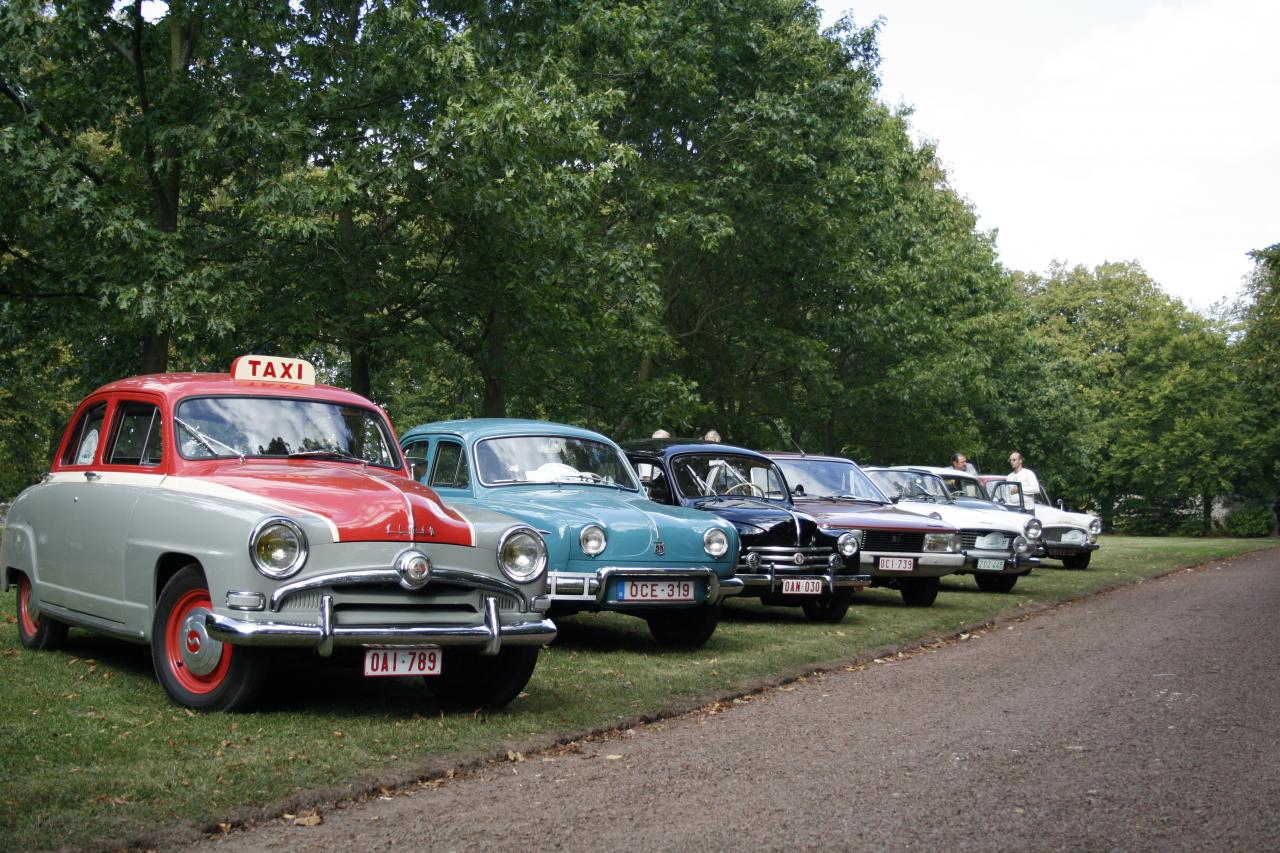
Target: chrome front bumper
point(771, 581)
point(1014, 564)
point(593, 588)
point(489, 636)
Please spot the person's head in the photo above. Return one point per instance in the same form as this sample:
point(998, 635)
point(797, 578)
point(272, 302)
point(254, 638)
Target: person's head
point(712, 435)
point(1015, 460)
point(661, 433)
point(959, 461)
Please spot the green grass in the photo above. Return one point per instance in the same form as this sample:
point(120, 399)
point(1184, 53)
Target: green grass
point(93, 752)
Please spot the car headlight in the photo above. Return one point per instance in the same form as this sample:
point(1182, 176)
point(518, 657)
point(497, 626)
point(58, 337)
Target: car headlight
point(414, 569)
point(1021, 545)
point(522, 555)
point(1033, 530)
point(942, 542)
point(715, 543)
point(278, 548)
point(1095, 526)
point(592, 540)
point(848, 543)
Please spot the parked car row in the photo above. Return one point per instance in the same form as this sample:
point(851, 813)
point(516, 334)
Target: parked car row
point(217, 517)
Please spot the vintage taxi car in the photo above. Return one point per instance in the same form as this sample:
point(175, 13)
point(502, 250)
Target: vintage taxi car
point(1071, 537)
point(786, 556)
point(899, 550)
point(609, 546)
point(999, 547)
point(216, 516)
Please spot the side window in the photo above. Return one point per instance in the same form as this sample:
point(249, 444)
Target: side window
point(450, 469)
point(82, 449)
point(136, 435)
point(415, 452)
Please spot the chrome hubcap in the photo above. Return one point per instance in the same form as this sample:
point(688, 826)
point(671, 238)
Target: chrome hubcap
point(200, 652)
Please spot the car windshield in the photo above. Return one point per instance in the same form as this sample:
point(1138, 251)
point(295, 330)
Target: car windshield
point(709, 474)
point(551, 459)
point(829, 478)
point(912, 486)
point(964, 487)
point(281, 427)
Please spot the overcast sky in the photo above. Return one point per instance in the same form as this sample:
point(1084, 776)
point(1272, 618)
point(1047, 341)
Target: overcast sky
point(1096, 131)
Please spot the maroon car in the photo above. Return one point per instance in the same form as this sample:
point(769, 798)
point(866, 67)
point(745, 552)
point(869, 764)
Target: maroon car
point(900, 550)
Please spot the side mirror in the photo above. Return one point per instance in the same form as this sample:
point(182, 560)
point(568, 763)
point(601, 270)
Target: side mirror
point(894, 499)
point(798, 490)
point(1062, 505)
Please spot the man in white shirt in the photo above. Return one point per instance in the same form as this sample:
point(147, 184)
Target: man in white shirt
point(1026, 477)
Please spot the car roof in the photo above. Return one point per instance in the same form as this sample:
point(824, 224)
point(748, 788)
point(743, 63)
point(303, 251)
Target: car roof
point(940, 470)
point(817, 457)
point(176, 386)
point(664, 447)
point(478, 428)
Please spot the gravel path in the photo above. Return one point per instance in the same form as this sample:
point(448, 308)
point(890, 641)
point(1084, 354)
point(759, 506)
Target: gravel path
point(1148, 718)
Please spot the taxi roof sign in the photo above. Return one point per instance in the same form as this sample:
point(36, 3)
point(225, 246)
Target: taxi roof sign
point(273, 368)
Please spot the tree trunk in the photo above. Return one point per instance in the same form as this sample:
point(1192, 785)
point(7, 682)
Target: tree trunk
point(360, 370)
point(493, 369)
point(155, 351)
point(1206, 526)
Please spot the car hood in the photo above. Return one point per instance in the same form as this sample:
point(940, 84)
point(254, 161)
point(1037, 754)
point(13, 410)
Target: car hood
point(358, 504)
point(633, 524)
point(838, 513)
point(763, 522)
point(969, 519)
point(1052, 516)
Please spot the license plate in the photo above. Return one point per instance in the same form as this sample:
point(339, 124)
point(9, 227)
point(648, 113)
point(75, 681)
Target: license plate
point(656, 591)
point(897, 564)
point(987, 565)
point(1055, 552)
point(801, 586)
point(425, 661)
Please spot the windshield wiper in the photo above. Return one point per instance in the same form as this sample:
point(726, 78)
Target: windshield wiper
point(327, 453)
point(207, 441)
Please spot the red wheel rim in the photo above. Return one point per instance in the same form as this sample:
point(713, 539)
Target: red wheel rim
point(175, 637)
point(30, 625)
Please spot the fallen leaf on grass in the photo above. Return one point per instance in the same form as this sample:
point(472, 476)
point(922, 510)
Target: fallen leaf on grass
point(617, 756)
point(308, 819)
point(9, 619)
point(512, 755)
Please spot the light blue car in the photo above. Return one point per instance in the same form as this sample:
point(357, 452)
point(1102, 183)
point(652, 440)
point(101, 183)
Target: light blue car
point(608, 546)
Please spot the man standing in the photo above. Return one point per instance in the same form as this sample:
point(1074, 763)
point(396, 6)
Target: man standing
point(1026, 477)
point(961, 463)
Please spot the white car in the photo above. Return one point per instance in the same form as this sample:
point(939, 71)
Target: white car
point(1071, 537)
point(998, 546)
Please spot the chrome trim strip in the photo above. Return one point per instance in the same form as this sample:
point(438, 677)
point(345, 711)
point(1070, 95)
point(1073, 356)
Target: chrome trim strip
point(390, 576)
point(491, 635)
point(84, 620)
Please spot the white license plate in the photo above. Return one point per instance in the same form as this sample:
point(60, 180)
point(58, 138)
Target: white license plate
point(896, 564)
point(801, 586)
point(656, 591)
point(425, 661)
point(986, 565)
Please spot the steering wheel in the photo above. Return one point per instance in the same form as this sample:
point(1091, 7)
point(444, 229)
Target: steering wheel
point(745, 488)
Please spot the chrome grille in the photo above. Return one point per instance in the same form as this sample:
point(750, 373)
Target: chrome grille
point(1055, 534)
point(969, 539)
point(892, 541)
point(782, 558)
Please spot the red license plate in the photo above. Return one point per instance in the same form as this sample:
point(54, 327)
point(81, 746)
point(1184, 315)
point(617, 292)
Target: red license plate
point(656, 591)
point(897, 564)
point(382, 662)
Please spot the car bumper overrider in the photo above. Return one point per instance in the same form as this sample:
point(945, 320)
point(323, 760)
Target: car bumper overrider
point(594, 588)
point(531, 628)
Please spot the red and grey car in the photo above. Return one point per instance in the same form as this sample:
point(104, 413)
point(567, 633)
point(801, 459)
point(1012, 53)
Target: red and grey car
point(218, 516)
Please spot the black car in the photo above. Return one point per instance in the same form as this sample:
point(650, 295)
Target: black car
point(785, 556)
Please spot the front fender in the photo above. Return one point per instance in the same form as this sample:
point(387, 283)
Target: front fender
point(17, 552)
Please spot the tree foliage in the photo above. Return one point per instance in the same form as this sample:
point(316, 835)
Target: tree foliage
point(658, 213)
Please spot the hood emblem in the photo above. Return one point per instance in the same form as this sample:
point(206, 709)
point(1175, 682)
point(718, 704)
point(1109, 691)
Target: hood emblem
point(397, 530)
point(799, 558)
point(660, 548)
